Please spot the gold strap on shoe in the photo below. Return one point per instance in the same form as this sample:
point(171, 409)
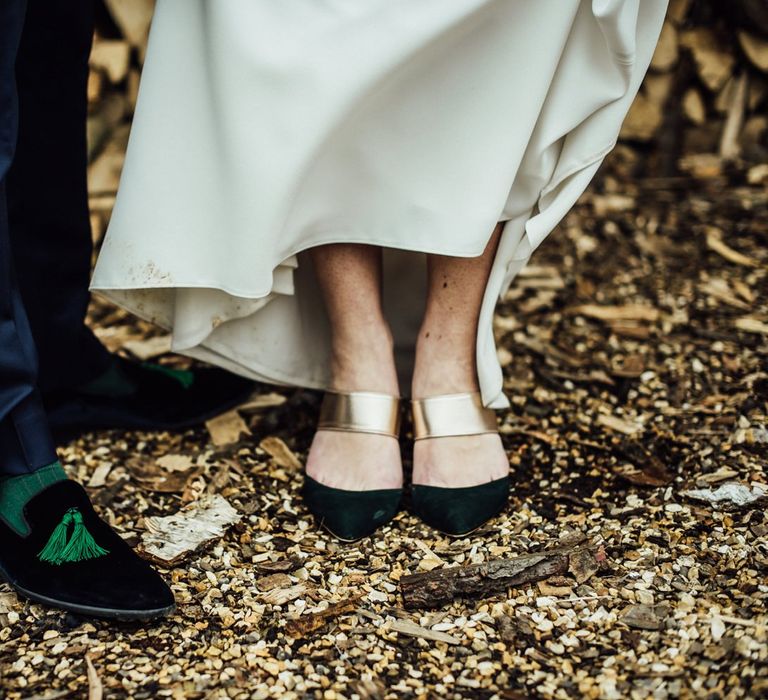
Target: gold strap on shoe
point(360, 412)
point(452, 415)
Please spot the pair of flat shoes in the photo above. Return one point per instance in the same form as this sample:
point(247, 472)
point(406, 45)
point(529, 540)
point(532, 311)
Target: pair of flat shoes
point(352, 515)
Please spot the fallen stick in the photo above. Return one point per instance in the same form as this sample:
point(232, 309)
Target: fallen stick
point(440, 586)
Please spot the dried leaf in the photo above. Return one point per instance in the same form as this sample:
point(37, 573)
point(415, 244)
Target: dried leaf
point(644, 617)
point(227, 428)
point(175, 463)
point(281, 453)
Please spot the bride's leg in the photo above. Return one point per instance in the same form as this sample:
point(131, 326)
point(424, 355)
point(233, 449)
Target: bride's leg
point(446, 364)
point(349, 276)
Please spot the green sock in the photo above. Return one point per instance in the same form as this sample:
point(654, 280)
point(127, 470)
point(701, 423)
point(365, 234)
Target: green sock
point(17, 491)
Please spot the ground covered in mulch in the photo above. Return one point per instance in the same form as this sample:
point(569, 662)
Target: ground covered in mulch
point(635, 351)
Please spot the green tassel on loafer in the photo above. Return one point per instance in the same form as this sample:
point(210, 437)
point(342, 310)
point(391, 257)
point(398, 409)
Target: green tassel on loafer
point(352, 515)
point(456, 511)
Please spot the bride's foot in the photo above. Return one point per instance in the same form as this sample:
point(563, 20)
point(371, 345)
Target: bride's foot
point(454, 462)
point(460, 468)
point(354, 478)
point(358, 461)
point(355, 461)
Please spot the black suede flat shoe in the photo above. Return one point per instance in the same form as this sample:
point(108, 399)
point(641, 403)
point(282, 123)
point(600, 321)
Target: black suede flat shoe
point(459, 511)
point(456, 511)
point(146, 396)
point(71, 559)
point(352, 515)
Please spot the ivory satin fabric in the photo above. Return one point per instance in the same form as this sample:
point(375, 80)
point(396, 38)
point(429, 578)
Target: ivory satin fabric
point(267, 127)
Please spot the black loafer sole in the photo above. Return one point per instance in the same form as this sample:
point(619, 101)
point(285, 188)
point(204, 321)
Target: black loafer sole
point(88, 610)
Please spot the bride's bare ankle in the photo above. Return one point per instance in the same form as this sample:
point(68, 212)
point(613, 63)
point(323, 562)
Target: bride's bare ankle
point(364, 361)
point(443, 367)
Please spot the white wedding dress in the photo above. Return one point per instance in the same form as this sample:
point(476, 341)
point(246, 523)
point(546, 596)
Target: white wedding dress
point(267, 127)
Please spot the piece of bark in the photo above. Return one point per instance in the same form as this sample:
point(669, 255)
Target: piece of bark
point(113, 57)
point(758, 174)
point(751, 325)
point(715, 242)
point(435, 588)
point(281, 566)
point(730, 147)
point(281, 596)
point(756, 50)
point(678, 10)
point(702, 165)
point(133, 17)
point(693, 106)
point(618, 425)
point(411, 629)
point(258, 402)
point(306, 624)
point(95, 688)
point(272, 581)
point(643, 119)
point(149, 348)
point(583, 564)
point(665, 55)
point(714, 63)
point(625, 312)
point(732, 494)
point(99, 476)
point(101, 123)
point(171, 539)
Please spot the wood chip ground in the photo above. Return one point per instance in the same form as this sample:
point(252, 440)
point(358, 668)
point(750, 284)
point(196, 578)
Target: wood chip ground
point(635, 354)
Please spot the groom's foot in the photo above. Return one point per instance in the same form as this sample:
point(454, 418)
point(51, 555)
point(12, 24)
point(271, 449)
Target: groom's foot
point(145, 396)
point(55, 550)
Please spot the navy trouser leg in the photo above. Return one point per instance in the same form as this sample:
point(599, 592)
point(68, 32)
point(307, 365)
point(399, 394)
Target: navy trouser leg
point(47, 191)
point(25, 443)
